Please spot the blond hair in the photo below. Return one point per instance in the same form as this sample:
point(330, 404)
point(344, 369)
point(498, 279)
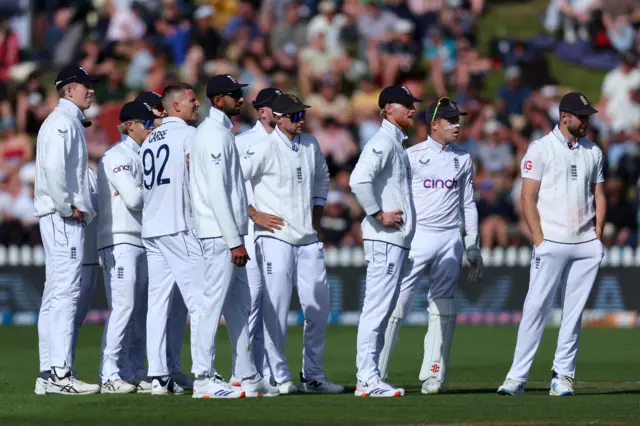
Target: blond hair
point(122, 128)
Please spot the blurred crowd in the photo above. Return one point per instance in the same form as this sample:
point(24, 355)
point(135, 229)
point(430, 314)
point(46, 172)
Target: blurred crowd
point(603, 23)
point(336, 55)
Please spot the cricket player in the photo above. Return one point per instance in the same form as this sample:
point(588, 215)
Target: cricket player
point(174, 254)
point(565, 207)
point(220, 207)
point(290, 180)
point(123, 255)
point(89, 275)
point(264, 126)
point(442, 187)
point(178, 312)
point(63, 204)
point(381, 182)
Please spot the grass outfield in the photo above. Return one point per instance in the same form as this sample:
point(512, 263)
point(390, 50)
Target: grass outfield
point(608, 386)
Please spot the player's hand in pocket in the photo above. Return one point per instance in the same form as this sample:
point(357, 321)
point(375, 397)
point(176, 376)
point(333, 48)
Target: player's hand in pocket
point(268, 221)
point(239, 256)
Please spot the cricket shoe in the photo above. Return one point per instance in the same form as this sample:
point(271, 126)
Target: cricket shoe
point(235, 382)
point(431, 386)
point(143, 385)
point(69, 385)
point(214, 388)
point(165, 386)
point(511, 387)
point(377, 389)
point(319, 386)
point(117, 386)
point(285, 388)
point(41, 386)
point(184, 380)
point(259, 386)
point(561, 385)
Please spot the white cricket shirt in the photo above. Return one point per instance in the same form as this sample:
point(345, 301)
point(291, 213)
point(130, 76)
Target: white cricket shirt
point(120, 170)
point(288, 179)
point(565, 200)
point(381, 180)
point(167, 201)
point(442, 186)
point(90, 229)
point(217, 185)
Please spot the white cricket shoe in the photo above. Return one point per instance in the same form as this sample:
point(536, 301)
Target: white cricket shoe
point(319, 386)
point(117, 386)
point(235, 382)
point(511, 387)
point(41, 386)
point(431, 386)
point(258, 386)
point(165, 386)
point(185, 381)
point(143, 385)
point(69, 385)
point(287, 388)
point(561, 385)
point(378, 389)
point(215, 388)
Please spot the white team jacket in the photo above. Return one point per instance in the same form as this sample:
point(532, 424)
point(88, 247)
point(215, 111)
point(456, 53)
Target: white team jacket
point(565, 202)
point(243, 142)
point(120, 170)
point(381, 180)
point(287, 183)
point(90, 230)
point(62, 164)
point(442, 187)
point(217, 185)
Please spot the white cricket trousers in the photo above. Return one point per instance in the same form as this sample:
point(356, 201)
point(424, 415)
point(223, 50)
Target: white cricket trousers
point(88, 281)
point(171, 258)
point(176, 324)
point(63, 241)
point(385, 263)
point(573, 268)
point(282, 264)
point(226, 293)
point(125, 274)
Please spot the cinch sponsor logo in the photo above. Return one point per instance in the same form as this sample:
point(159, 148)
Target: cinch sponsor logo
point(125, 167)
point(435, 183)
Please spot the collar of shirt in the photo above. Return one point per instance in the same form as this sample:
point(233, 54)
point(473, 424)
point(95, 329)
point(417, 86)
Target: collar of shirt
point(128, 141)
point(396, 133)
point(259, 127)
point(437, 146)
point(291, 144)
point(220, 117)
point(177, 120)
point(71, 108)
point(558, 134)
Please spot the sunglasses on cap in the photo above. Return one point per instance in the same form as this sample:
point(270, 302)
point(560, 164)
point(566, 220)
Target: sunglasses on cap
point(236, 94)
point(444, 101)
point(295, 117)
point(149, 124)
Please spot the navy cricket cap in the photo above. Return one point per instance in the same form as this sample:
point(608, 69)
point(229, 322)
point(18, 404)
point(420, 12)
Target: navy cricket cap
point(153, 99)
point(73, 74)
point(136, 110)
point(576, 104)
point(396, 95)
point(265, 97)
point(223, 84)
point(286, 104)
point(447, 109)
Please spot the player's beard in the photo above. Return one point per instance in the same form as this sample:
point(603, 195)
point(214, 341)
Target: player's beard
point(579, 130)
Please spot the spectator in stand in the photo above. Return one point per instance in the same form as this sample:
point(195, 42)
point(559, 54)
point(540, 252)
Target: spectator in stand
point(31, 105)
point(400, 54)
point(330, 23)
point(512, 95)
point(620, 214)
point(288, 38)
point(494, 151)
point(317, 62)
point(16, 210)
point(174, 30)
point(205, 36)
point(337, 145)
point(494, 215)
point(441, 52)
point(375, 27)
point(620, 112)
point(328, 103)
point(9, 56)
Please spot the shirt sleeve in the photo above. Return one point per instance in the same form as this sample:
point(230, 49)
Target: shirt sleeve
point(532, 165)
point(117, 169)
point(220, 188)
point(598, 173)
point(373, 159)
point(252, 161)
point(468, 203)
point(321, 183)
point(54, 164)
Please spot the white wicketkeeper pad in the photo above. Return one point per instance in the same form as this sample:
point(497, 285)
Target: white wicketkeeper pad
point(437, 342)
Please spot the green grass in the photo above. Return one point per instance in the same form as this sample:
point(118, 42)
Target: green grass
point(522, 19)
point(608, 387)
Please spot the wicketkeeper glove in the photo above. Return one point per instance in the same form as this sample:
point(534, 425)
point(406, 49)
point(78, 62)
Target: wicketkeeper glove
point(474, 256)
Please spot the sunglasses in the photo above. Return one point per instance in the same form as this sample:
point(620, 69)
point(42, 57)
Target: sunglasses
point(149, 124)
point(442, 101)
point(236, 94)
point(297, 116)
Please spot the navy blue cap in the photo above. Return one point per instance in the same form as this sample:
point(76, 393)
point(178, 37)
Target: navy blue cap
point(73, 74)
point(136, 110)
